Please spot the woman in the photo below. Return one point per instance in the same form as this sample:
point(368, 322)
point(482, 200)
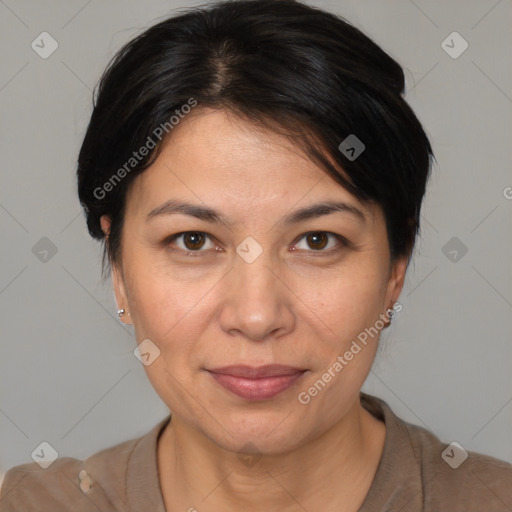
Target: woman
point(257, 179)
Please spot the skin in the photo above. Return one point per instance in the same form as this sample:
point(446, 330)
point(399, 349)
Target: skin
point(298, 304)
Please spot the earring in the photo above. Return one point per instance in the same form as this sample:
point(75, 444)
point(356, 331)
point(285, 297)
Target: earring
point(120, 312)
point(391, 313)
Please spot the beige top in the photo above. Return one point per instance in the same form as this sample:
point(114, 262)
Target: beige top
point(413, 475)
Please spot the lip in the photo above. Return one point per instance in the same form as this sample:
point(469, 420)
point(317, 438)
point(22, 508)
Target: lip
point(257, 372)
point(256, 382)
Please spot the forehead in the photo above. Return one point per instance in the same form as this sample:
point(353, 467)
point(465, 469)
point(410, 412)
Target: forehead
point(217, 158)
point(222, 141)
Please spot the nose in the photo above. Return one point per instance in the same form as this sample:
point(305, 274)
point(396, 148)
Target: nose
point(257, 303)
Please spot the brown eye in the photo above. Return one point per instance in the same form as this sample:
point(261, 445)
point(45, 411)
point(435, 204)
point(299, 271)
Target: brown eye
point(322, 242)
point(190, 243)
point(317, 241)
point(193, 241)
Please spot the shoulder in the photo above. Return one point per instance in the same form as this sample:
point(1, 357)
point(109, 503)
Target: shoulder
point(418, 471)
point(27, 486)
point(71, 484)
point(447, 476)
point(462, 477)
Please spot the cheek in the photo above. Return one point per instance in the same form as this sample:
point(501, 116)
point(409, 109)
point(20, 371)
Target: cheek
point(350, 306)
point(171, 308)
point(168, 313)
point(349, 301)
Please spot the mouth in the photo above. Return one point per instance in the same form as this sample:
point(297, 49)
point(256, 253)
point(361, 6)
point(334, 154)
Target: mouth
point(256, 382)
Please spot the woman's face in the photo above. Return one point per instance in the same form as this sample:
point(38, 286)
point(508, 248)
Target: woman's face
point(252, 284)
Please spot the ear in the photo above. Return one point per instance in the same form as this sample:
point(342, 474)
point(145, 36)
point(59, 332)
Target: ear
point(105, 224)
point(117, 277)
point(396, 280)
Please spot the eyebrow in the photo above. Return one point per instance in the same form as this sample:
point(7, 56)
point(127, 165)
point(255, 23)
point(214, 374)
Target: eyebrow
point(213, 216)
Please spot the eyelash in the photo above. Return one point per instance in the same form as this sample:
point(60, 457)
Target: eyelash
point(342, 241)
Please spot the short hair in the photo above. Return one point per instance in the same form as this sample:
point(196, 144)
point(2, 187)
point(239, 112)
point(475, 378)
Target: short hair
point(285, 66)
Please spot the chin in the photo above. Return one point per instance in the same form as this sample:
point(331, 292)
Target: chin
point(267, 432)
point(260, 444)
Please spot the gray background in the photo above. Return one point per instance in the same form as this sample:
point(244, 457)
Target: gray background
point(67, 372)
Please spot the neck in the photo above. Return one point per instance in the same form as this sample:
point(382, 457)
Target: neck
point(332, 472)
